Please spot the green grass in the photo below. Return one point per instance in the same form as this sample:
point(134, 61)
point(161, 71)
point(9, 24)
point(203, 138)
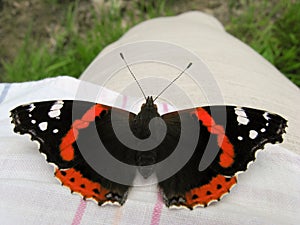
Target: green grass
point(272, 29)
point(70, 55)
point(73, 52)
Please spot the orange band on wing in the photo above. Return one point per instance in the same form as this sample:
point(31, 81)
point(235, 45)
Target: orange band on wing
point(77, 183)
point(66, 148)
point(207, 193)
point(227, 155)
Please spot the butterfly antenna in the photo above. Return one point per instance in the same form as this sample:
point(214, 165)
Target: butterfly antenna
point(179, 75)
point(133, 75)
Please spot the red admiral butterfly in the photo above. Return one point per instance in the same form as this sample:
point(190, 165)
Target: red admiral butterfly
point(59, 129)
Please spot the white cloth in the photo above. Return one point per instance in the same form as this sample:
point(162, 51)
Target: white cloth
point(268, 193)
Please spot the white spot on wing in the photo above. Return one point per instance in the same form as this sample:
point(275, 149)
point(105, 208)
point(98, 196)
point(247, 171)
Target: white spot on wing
point(253, 134)
point(33, 121)
point(240, 138)
point(43, 126)
point(57, 105)
point(262, 130)
point(265, 115)
point(55, 131)
point(53, 114)
point(241, 116)
point(55, 109)
point(243, 120)
point(31, 107)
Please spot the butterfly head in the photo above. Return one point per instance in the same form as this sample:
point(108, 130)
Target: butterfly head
point(149, 109)
point(149, 105)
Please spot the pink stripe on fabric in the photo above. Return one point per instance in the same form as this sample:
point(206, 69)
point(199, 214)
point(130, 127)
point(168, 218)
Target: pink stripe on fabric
point(118, 216)
point(157, 210)
point(124, 103)
point(165, 107)
point(79, 212)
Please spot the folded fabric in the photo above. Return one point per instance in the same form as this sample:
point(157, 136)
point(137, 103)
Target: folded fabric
point(268, 193)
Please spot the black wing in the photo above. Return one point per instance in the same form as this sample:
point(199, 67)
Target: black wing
point(65, 130)
point(227, 141)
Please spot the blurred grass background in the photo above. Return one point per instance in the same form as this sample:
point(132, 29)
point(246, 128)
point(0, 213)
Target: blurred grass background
point(82, 29)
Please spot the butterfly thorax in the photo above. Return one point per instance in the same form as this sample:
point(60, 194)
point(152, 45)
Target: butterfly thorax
point(140, 124)
point(140, 128)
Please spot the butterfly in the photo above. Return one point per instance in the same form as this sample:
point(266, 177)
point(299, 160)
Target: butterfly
point(70, 132)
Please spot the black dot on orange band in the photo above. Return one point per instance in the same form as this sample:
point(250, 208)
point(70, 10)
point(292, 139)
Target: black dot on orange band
point(72, 179)
point(219, 186)
point(227, 179)
point(194, 196)
point(82, 186)
point(96, 191)
point(208, 193)
point(64, 173)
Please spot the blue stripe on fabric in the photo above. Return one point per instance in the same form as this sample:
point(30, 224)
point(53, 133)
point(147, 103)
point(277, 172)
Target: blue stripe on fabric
point(4, 92)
